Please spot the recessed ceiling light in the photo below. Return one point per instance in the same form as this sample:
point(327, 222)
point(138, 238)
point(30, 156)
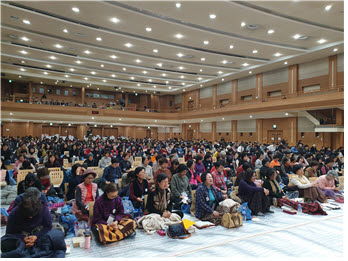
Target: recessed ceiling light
point(149, 80)
point(335, 50)
point(201, 120)
point(286, 114)
point(277, 54)
point(124, 69)
point(113, 75)
point(98, 89)
point(45, 73)
point(179, 36)
point(25, 39)
point(26, 21)
point(183, 90)
point(53, 57)
point(169, 88)
point(19, 76)
point(65, 31)
point(154, 86)
point(285, 62)
point(159, 65)
point(72, 69)
point(245, 64)
point(98, 39)
point(296, 36)
point(255, 51)
point(220, 72)
point(202, 59)
point(129, 45)
point(224, 62)
point(182, 83)
point(155, 50)
point(180, 55)
point(212, 16)
point(93, 72)
point(164, 75)
point(144, 72)
point(243, 24)
point(145, 91)
point(138, 61)
point(181, 68)
point(114, 20)
point(104, 80)
point(167, 82)
point(223, 119)
point(78, 62)
point(67, 76)
point(48, 66)
point(322, 41)
point(87, 52)
point(148, 29)
point(86, 78)
point(250, 116)
point(102, 65)
point(75, 9)
point(120, 118)
point(132, 78)
point(222, 79)
point(328, 7)
point(22, 61)
point(113, 56)
point(58, 46)
point(200, 70)
point(138, 84)
point(199, 78)
point(270, 31)
point(206, 42)
point(231, 46)
point(22, 69)
point(182, 76)
point(178, 5)
point(23, 52)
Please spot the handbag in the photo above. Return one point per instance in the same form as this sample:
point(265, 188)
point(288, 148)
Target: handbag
point(178, 231)
point(232, 220)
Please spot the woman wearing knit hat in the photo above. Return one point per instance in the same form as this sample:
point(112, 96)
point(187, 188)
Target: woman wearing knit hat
point(308, 190)
point(326, 183)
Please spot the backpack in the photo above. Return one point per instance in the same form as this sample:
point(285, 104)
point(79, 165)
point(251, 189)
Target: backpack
point(128, 206)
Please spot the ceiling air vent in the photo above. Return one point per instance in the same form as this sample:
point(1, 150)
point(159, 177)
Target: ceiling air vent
point(14, 17)
point(79, 34)
point(303, 37)
point(13, 36)
point(253, 26)
point(188, 56)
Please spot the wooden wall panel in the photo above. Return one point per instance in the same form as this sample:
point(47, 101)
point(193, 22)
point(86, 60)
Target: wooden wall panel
point(322, 80)
point(66, 131)
point(111, 132)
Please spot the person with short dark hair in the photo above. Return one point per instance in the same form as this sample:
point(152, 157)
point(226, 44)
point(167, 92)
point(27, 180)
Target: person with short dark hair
point(192, 175)
point(270, 183)
point(163, 168)
point(199, 166)
point(175, 165)
point(77, 171)
point(90, 161)
point(258, 162)
point(125, 164)
point(105, 161)
point(207, 162)
point(328, 166)
point(138, 188)
point(219, 178)
point(313, 170)
point(148, 169)
point(180, 184)
point(112, 172)
point(265, 167)
point(240, 177)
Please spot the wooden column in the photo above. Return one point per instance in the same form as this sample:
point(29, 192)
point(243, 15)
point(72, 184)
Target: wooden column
point(171, 135)
point(234, 130)
point(293, 131)
point(293, 80)
point(333, 72)
point(60, 130)
point(259, 86)
point(213, 129)
point(234, 91)
point(339, 117)
point(102, 132)
point(197, 101)
point(214, 96)
point(259, 131)
point(30, 92)
point(83, 90)
point(126, 99)
point(81, 131)
point(182, 102)
point(29, 129)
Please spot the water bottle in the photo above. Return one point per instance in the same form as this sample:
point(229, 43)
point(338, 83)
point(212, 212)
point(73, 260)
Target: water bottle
point(299, 209)
point(87, 234)
point(244, 215)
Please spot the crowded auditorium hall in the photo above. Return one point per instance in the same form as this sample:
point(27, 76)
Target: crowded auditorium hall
point(144, 129)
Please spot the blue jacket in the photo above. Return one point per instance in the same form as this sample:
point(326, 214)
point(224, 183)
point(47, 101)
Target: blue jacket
point(202, 200)
point(111, 174)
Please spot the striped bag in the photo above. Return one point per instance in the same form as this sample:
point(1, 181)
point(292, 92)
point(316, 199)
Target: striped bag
point(107, 234)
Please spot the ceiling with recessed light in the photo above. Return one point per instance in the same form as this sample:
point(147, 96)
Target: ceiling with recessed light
point(175, 45)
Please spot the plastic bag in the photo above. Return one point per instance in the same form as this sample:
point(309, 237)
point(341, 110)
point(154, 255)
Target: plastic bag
point(185, 208)
point(128, 206)
point(69, 220)
point(244, 209)
point(80, 227)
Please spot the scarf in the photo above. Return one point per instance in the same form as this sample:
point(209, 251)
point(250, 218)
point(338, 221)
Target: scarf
point(162, 197)
point(302, 179)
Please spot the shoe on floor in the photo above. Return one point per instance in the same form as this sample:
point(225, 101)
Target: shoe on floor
point(259, 214)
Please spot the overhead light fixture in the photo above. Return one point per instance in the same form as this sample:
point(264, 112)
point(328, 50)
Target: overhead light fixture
point(202, 59)
point(223, 119)
point(67, 76)
point(98, 89)
point(115, 20)
point(25, 39)
point(144, 72)
point(179, 36)
point(104, 81)
point(48, 66)
point(296, 36)
point(87, 52)
point(23, 52)
point(19, 76)
point(200, 70)
point(169, 88)
point(75, 9)
point(124, 69)
point(255, 51)
point(250, 72)
point(138, 61)
point(182, 76)
point(199, 78)
point(138, 84)
point(335, 50)
point(132, 78)
point(285, 62)
point(86, 78)
point(167, 82)
point(98, 39)
point(164, 75)
point(69, 124)
point(328, 7)
point(51, 123)
point(22, 61)
point(245, 64)
point(72, 69)
point(224, 62)
point(243, 24)
point(26, 21)
point(277, 54)
point(270, 31)
point(58, 46)
point(220, 72)
point(322, 41)
point(286, 114)
point(102, 65)
point(111, 126)
point(113, 75)
point(45, 73)
point(149, 80)
point(113, 56)
point(180, 68)
point(206, 42)
point(250, 116)
point(180, 55)
point(65, 31)
point(155, 50)
point(222, 80)
point(53, 57)
point(159, 65)
point(231, 46)
point(178, 5)
point(154, 86)
point(22, 69)
point(212, 16)
point(183, 90)
point(93, 72)
point(129, 45)
point(148, 29)
point(78, 62)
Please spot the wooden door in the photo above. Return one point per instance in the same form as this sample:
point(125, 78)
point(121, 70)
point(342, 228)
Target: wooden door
point(148, 133)
point(189, 134)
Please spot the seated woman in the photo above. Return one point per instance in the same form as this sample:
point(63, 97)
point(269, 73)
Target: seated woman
point(207, 199)
point(26, 165)
point(18, 164)
point(76, 178)
point(138, 188)
point(105, 161)
point(257, 199)
point(47, 187)
point(219, 178)
point(271, 184)
point(90, 161)
point(158, 200)
point(175, 165)
point(108, 210)
point(191, 174)
point(326, 183)
point(29, 221)
point(313, 170)
point(52, 162)
point(86, 192)
point(310, 191)
point(199, 166)
point(180, 184)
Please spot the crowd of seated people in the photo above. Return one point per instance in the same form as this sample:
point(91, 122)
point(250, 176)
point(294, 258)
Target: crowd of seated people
point(167, 184)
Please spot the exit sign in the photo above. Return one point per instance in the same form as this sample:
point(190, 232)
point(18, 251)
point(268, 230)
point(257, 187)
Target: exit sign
point(95, 112)
point(274, 126)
